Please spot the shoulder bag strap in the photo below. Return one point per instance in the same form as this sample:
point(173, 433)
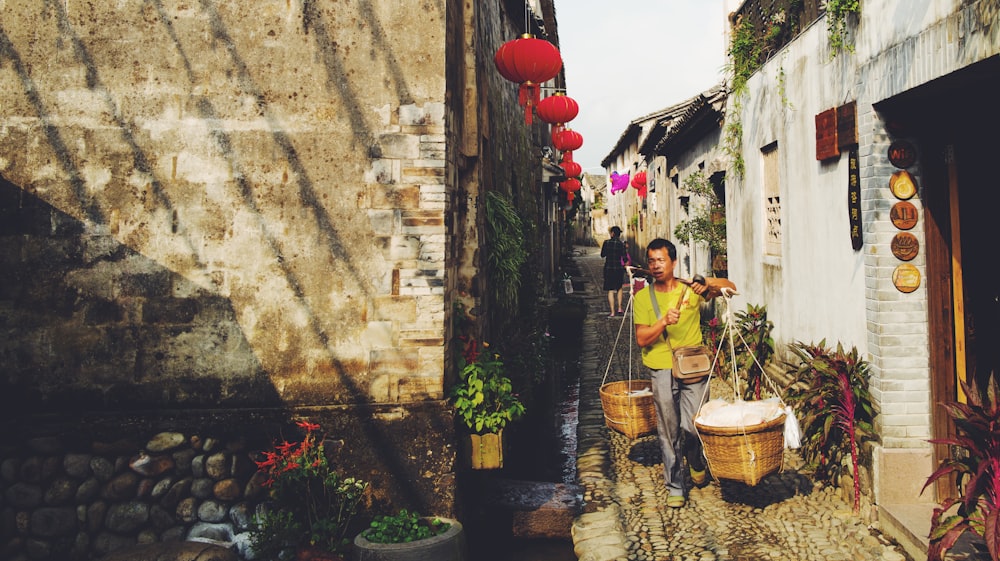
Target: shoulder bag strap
point(656, 307)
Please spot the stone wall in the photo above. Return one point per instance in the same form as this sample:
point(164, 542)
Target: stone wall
point(247, 199)
point(80, 489)
point(217, 209)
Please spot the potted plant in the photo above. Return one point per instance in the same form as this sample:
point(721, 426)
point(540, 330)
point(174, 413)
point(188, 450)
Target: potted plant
point(485, 401)
point(976, 462)
point(408, 536)
point(310, 504)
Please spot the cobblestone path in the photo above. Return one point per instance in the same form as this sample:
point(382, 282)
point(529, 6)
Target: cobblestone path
point(784, 517)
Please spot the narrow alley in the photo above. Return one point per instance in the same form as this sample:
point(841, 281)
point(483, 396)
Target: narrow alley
point(783, 517)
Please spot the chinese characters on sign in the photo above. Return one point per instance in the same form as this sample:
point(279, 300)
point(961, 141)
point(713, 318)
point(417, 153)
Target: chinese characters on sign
point(854, 198)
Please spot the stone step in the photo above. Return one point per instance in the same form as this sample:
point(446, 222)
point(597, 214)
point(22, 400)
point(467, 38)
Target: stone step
point(539, 509)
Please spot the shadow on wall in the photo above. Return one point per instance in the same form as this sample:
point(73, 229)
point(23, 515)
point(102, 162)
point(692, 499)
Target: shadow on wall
point(91, 324)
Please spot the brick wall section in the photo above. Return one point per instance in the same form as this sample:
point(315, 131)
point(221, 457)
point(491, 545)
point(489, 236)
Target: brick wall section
point(898, 337)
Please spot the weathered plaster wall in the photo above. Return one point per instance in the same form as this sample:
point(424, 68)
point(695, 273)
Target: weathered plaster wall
point(825, 289)
point(250, 198)
point(212, 212)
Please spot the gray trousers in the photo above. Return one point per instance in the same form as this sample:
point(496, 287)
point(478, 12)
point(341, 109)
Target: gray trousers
point(676, 405)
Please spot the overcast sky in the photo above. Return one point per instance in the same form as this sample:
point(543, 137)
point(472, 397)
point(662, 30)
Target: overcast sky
point(628, 58)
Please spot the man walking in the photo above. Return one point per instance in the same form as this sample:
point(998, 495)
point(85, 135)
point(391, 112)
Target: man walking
point(677, 316)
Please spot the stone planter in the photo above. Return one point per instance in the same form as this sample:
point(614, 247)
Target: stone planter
point(449, 546)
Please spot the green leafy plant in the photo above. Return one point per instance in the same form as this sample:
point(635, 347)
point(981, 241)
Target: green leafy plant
point(506, 251)
point(310, 503)
point(830, 390)
point(977, 466)
point(706, 222)
point(404, 527)
point(836, 23)
point(484, 397)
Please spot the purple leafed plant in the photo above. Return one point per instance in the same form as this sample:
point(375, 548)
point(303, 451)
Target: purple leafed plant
point(977, 468)
point(831, 393)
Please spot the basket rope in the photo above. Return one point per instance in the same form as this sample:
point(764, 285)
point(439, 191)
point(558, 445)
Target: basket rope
point(728, 332)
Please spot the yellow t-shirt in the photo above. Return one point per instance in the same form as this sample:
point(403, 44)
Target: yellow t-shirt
point(686, 332)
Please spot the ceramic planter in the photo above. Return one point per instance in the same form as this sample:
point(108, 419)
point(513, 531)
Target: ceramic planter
point(449, 546)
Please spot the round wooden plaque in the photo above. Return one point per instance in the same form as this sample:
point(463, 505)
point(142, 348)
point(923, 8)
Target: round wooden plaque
point(902, 153)
point(904, 215)
point(905, 246)
point(906, 278)
point(901, 184)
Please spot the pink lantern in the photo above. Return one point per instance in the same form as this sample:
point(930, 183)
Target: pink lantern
point(619, 182)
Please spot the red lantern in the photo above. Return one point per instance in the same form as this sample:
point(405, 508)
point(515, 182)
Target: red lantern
point(571, 168)
point(639, 180)
point(528, 61)
point(567, 139)
point(570, 185)
point(558, 109)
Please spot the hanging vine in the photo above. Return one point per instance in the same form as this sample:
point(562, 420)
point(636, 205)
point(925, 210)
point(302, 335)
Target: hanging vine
point(836, 24)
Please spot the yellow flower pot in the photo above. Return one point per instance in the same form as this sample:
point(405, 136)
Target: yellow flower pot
point(486, 450)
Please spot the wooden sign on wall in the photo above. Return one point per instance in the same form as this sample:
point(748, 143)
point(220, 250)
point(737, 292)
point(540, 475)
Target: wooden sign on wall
point(826, 135)
point(847, 125)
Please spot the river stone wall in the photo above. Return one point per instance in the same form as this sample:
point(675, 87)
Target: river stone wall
point(58, 503)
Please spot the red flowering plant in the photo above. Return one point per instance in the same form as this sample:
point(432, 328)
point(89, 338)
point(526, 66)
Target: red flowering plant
point(310, 503)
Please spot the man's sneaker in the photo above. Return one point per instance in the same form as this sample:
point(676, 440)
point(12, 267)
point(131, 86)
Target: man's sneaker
point(675, 501)
point(697, 477)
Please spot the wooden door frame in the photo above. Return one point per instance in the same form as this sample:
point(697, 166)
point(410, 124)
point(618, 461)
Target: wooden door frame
point(940, 195)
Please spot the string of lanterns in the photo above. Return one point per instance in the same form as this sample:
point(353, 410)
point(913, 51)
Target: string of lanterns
point(530, 61)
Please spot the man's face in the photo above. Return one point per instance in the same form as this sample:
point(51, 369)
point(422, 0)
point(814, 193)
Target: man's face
point(659, 263)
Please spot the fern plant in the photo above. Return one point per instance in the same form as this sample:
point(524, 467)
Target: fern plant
point(831, 392)
point(506, 253)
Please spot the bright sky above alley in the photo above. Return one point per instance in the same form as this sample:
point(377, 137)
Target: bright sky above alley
point(627, 58)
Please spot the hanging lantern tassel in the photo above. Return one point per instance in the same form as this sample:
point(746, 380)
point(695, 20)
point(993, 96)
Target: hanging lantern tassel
point(529, 94)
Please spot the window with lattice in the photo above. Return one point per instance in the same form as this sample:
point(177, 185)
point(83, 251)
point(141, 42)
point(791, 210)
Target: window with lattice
point(772, 200)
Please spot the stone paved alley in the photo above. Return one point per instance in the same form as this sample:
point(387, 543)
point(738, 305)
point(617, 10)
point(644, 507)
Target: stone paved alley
point(784, 517)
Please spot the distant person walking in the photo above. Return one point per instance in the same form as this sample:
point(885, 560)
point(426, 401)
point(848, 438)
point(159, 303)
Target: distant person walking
point(615, 254)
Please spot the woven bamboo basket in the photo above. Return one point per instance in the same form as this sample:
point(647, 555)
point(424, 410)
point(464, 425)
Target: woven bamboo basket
point(746, 454)
point(631, 415)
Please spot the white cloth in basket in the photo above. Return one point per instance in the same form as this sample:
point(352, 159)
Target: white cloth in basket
point(721, 413)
